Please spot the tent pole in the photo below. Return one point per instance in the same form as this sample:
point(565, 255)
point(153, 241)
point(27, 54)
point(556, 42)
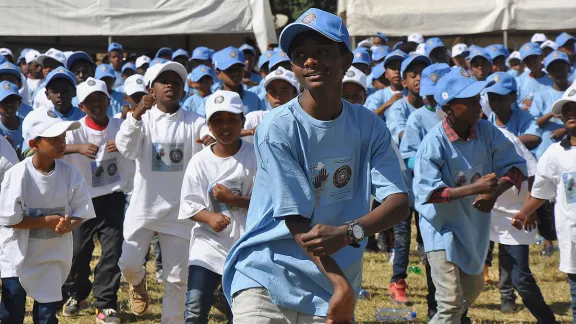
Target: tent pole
point(110, 40)
point(505, 36)
point(353, 41)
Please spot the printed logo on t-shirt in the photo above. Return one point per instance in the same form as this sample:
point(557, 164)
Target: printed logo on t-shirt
point(104, 172)
point(44, 233)
point(468, 176)
point(339, 171)
point(220, 207)
point(569, 179)
point(167, 157)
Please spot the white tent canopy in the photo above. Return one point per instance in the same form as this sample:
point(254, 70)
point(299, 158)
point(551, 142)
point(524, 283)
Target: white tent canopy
point(455, 17)
point(138, 18)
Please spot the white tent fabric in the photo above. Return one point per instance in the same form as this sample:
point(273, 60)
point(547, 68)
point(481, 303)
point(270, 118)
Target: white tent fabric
point(543, 15)
point(138, 18)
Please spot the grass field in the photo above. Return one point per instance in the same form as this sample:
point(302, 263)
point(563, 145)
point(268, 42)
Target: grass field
point(377, 274)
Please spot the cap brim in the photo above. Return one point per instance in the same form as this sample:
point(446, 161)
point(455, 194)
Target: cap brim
point(356, 82)
point(201, 76)
point(498, 89)
point(559, 104)
point(176, 67)
point(60, 128)
point(473, 90)
point(5, 95)
point(427, 90)
point(293, 30)
point(227, 65)
point(229, 109)
point(40, 58)
point(392, 58)
point(129, 92)
point(76, 57)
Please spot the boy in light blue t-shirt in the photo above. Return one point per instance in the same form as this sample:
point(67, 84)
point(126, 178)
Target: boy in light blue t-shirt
point(462, 166)
point(202, 78)
point(533, 80)
point(319, 160)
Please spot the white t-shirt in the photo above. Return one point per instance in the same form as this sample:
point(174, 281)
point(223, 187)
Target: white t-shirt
point(253, 119)
point(109, 172)
point(8, 157)
point(209, 249)
point(556, 177)
point(511, 202)
point(33, 84)
point(41, 100)
point(162, 145)
point(41, 258)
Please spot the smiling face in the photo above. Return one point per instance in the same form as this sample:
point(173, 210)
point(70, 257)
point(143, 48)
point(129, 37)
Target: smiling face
point(168, 88)
point(569, 116)
point(226, 127)
point(95, 106)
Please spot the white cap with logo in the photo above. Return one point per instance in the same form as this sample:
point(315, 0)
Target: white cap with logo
point(223, 100)
point(141, 60)
point(538, 38)
point(31, 56)
point(90, 86)
point(355, 76)
point(568, 96)
point(44, 122)
point(134, 84)
point(416, 38)
point(53, 54)
point(282, 74)
point(154, 71)
point(459, 49)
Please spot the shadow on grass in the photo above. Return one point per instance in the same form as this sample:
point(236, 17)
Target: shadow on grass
point(131, 318)
point(560, 307)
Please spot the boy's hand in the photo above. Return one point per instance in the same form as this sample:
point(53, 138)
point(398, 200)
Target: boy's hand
point(147, 102)
point(395, 97)
point(125, 110)
point(526, 104)
point(223, 194)
point(53, 221)
point(559, 133)
point(88, 150)
point(64, 226)
point(341, 305)
point(485, 202)
point(111, 146)
point(521, 219)
point(488, 184)
point(219, 222)
point(325, 240)
point(206, 140)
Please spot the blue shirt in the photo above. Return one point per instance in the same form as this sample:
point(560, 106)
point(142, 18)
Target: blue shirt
point(23, 111)
point(325, 171)
point(195, 103)
point(520, 123)
point(397, 117)
point(251, 102)
point(369, 79)
point(116, 103)
point(513, 73)
point(380, 97)
point(528, 86)
point(418, 125)
point(541, 106)
point(119, 80)
point(15, 135)
point(457, 227)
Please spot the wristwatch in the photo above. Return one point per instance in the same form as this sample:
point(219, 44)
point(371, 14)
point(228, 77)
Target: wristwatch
point(356, 232)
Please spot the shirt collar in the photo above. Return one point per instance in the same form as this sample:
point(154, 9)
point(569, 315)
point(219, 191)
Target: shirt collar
point(453, 136)
point(565, 143)
point(156, 114)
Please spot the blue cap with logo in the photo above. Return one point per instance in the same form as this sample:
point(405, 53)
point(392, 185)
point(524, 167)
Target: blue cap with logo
point(104, 70)
point(8, 89)
point(201, 53)
point(382, 36)
point(201, 71)
point(265, 58)
point(472, 48)
point(157, 60)
point(223, 59)
point(497, 50)
point(563, 38)
point(78, 56)
point(361, 56)
point(277, 58)
point(380, 53)
point(9, 68)
point(327, 24)
point(377, 71)
point(504, 83)
point(430, 76)
point(433, 43)
point(61, 73)
point(115, 47)
point(556, 56)
point(393, 56)
point(474, 53)
point(458, 83)
point(128, 66)
point(180, 52)
point(247, 48)
point(164, 51)
point(414, 58)
point(529, 49)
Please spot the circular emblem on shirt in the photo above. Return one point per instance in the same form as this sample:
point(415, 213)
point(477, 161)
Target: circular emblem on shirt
point(278, 72)
point(236, 191)
point(112, 169)
point(342, 176)
point(233, 54)
point(309, 18)
point(572, 93)
point(465, 73)
point(91, 83)
point(219, 99)
point(350, 74)
point(139, 81)
point(496, 78)
point(445, 95)
point(475, 177)
point(434, 77)
point(6, 86)
point(98, 171)
point(51, 114)
point(358, 55)
point(460, 179)
point(176, 155)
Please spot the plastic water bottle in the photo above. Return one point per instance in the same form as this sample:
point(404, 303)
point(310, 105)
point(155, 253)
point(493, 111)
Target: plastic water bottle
point(394, 314)
point(539, 240)
point(363, 294)
point(391, 256)
point(415, 270)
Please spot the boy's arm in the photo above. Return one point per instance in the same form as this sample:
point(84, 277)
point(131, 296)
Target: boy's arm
point(381, 109)
point(28, 222)
point(129, 138)
point(530, 141)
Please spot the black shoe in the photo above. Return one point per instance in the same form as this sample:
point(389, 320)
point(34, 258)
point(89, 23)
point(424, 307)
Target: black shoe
point(508, 305)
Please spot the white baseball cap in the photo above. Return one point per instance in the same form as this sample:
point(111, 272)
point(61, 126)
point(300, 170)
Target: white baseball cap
point(568, 96)
point(6, 51)
point(31, 56)
point(513, 55)
point(365, 43)
point(53, 54)
point(416, 38)
point(134, 84)
point(355, 76)
point(44, 122)
point(538, 38)
point(89, 86)
point(281, 74)
point(223, 100)
point(154, 71)
point(141, 60)
point(549, 43)
point(459, 49)
point(421, 49)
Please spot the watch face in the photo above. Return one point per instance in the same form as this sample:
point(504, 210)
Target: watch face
point(358, 232)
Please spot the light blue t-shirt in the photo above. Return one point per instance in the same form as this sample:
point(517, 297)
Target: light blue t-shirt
point(252, 102)
point(380, 97)
point(195, 103)
point(116, 103)
point(15, 135)
point(457, 227)
point(528, 86)
point(23, 111)
point(369, 79)
point(418, 125)
point(521, 123)
point(397, 117)
point(325, 171)
point(513, 73)
point(541, 106)
point(119, 80)
point(259, 90)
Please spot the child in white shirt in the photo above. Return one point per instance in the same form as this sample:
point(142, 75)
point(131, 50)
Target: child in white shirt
point(43, 199)
point(215, 195)
point(162, 138)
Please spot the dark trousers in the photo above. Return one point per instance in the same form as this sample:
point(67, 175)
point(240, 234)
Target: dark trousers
point(202, 283)
point(515, 260)
point(107, 226)
point(13, 305)
point(572, 281)
point(402, 235)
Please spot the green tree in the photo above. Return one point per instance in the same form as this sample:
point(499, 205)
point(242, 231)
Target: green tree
point(294, 8)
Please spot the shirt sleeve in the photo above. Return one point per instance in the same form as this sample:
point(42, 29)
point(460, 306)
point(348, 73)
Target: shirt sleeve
point(441, 196)
point(528, 124)
point(428, 171)
point(11, 201)
point(412, 137)
point(504, 156)
point(374, 100)
point(396, 119)
point(515, 177)
point(194, 194)
point(129, 138)
point(79, 196)
point(547, 177)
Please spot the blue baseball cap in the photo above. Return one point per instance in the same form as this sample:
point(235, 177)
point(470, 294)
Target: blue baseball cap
point(77, 56)
point(201, 53)
point(458, 83)
point(474, 53)
point(529, 49)
point(277, 58)
point(472, 48)
point(128, 66)
point(8, 89)
point(164, 51)
point(504, 83)
point(327, 24)
point(9, 68)
point(104, 70)
point(556, 56)
point(223, 59)
point(380, 52)
point(414, 58)
point(563, 38)
point(265, 58)
point(157, 60)
point(361, 56)
point(2, 59)
point(115, 47)
point(381, 35)
point(432, 43)
point(430, 76)
point(495, 51)
point(394, 55)
point(61, 73)
point(180, 52)
point(200, 71)
point(247, 48)
point(377, 71)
